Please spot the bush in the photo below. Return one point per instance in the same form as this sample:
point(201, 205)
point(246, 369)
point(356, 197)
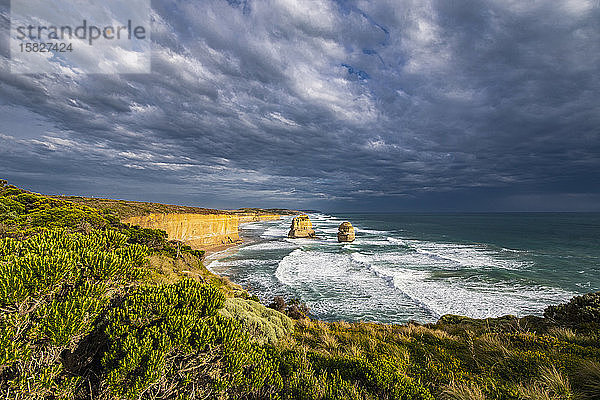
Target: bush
point(295, 309)
point(53, 288)
point(27, 213)
point(80, 318)
point(580, 310)
point(263, 324)
point(153, 238)
point(157, 332)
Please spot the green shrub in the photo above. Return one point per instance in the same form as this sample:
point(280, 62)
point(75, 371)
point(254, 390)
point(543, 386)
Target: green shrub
point(80, 318)
point(70, 315)
point(153, 238)
point(579, 310)
point(157, 328)
point(53, 288)
point(27, 213)
point(263, 324)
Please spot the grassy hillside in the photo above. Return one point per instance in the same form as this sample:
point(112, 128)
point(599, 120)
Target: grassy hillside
point(94, 309)
point(124, 209)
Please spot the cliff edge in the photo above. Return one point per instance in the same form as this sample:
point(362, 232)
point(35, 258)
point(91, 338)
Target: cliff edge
point(200, 231)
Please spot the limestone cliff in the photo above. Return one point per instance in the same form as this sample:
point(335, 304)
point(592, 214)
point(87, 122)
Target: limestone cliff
point(346, 232)
point(200, 231)
point(301, 227)
point(255, 217)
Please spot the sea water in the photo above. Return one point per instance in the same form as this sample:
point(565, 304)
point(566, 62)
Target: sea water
point(418, 267)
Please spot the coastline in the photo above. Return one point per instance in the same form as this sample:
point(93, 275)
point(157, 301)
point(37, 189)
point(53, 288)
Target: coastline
point(211, 252)
point(216, 253)
point(400, 271)
point(495, 358)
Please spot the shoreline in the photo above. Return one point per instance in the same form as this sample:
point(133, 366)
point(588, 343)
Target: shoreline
point(210, 252)
point(216, 253)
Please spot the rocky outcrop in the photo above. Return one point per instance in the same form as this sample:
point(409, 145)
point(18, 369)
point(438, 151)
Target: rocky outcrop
point(201, 231)
point(301, 227)
point(346, 232)
point(198, 230)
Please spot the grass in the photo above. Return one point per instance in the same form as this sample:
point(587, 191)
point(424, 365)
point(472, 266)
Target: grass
point(93, 309)
point(124, 209)
point(588, 377)
point(463, 391)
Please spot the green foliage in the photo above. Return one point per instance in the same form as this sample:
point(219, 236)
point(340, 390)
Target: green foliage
point(70, 315)
point(53, 287)
point(263, 324)
point(159, 326)
point(43, 264)
point(25, 213)
point(12, 349)
point(318, 376)
point(502, 362)
point(80, 318)
point(580, 310)
point(295, 308)
point(152, 322)
point(153, 238)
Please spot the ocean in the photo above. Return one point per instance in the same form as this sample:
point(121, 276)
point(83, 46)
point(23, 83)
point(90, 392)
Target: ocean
point(404, 267)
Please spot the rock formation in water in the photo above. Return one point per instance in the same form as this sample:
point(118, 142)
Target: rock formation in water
point(346, 232)
point(301, 227)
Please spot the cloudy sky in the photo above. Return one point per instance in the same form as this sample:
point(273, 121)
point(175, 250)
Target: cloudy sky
point(385, 105)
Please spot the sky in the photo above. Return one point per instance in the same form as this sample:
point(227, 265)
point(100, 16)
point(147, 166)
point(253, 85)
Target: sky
point(379, 106)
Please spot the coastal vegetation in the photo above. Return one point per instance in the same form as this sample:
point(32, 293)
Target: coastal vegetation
point(91, 308)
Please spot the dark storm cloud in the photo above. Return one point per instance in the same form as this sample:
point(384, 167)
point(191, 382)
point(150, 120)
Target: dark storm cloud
point(342, 105)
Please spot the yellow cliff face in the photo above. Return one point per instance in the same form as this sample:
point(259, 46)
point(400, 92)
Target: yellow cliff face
point(200, 231)
point(197, 230)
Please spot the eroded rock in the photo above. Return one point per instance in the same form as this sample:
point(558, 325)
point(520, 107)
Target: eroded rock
point(301, 227)
point(346, 232)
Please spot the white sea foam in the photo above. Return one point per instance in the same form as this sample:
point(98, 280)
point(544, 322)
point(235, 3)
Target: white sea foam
point(461, 255)
point(335, 284)
point(217, 264)
point(361, 241)
point(513, 250)
point(252, 226)
point(396, 241)
point(477, 300)
point(411, 273)
point(275, 232)
point(373, 231)
point(327, 230)
point(383, 277)
point(306, 266)
point(270, 245)
point(456, 295)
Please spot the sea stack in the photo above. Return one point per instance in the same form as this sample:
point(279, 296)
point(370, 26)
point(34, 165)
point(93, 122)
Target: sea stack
point(346, 232)
point(301, 227)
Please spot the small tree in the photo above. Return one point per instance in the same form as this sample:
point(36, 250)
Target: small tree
point(294, 309)
point(278, 304)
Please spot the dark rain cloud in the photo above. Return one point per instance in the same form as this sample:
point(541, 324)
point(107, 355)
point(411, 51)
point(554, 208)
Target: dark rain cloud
point(349, 105)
